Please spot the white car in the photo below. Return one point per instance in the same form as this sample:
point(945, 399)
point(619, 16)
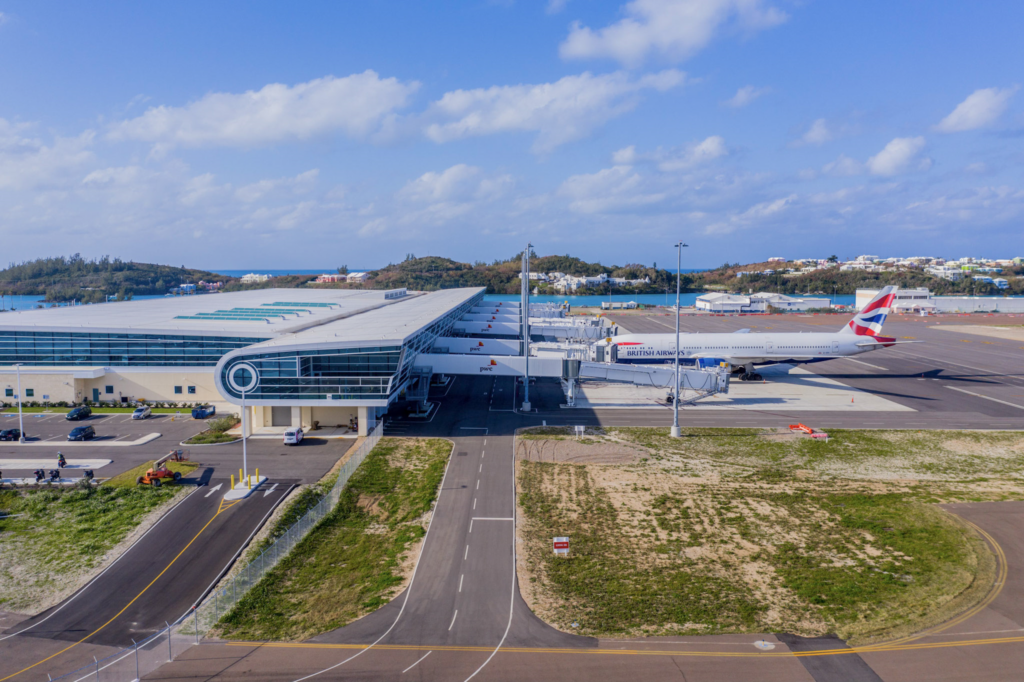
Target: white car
point(142, 413)
point(293, 436)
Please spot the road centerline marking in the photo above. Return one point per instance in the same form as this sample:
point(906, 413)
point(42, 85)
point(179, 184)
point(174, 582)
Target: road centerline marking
point(453, 620)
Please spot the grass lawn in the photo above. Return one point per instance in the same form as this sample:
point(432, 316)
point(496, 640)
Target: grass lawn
point(744, 530)
point(358, 557)
point(216, 433)
point(128, 478)
point(61, 535)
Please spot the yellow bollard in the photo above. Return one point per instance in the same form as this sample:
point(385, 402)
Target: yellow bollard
point(232, 481)
point(257, 475)
point(248, 481)
point(240, 476)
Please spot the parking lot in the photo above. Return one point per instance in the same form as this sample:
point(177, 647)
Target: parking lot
point(53, 427)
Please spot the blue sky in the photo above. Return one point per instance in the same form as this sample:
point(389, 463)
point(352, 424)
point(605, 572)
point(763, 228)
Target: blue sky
point(249, 134)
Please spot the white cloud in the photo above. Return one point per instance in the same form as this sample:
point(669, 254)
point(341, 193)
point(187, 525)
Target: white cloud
point(844, 166)
point(898, 156)
point(671, 29)
point(818, 134)
point(28, 162)
point(762, 212)
point(457, 182)
point(558, 112)
point(676, 159)
point(3, 18)
point(301, 183)
point(555, 6)
point(610, 189)
point(980, 109)
point(745, 96)
point(355, 105)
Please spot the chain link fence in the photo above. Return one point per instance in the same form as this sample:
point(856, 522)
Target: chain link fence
point(146, 656)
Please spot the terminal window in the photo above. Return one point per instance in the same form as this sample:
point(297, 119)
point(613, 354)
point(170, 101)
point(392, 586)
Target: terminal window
point(108, 389)
point(30, 392)
point(177, 389)
point(191, 390)
point(9, 392)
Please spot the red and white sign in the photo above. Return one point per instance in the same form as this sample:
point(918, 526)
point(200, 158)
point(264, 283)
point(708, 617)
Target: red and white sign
point(561, 545)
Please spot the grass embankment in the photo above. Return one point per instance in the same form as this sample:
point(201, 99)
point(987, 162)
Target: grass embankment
point(128, 479)
point(740, 530)
point(53, 538)
point(217, 432)
point(358, 557)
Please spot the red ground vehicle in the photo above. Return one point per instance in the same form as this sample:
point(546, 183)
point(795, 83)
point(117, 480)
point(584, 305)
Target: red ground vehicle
point(159, 471)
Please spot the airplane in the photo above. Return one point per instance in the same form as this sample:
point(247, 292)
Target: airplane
point(742, 350)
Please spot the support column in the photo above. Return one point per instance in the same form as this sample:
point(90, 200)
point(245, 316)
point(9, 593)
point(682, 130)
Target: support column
point(307, 417)
point(363, 416)
point(296, 416)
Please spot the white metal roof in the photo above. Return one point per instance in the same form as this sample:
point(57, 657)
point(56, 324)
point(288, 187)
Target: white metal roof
point(382, 326)
point(161, 316)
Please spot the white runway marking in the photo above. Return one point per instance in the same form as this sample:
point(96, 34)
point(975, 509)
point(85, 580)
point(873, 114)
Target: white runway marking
point(460, 581)
point(978, 395)
point(474, 504)
point(417, 662)
point(481, 469)
point(867, 364)
point(466, 553)
point(453, 620)
point(214, 489)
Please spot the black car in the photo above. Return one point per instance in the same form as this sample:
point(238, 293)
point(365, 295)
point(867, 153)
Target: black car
point(82, 433)
point(81, 412)
point(10, 434)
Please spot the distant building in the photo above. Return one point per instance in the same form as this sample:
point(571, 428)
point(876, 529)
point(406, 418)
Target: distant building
point(921, 299)
point(358, 276)
point(776, 259)
point(329, 277)
point(757, 303)
point(253, 278)
point(211, 286)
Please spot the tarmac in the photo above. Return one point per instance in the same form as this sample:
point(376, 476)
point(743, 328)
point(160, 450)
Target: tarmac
point(462, 617)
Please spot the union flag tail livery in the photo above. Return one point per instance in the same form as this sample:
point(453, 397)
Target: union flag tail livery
point(869, 321)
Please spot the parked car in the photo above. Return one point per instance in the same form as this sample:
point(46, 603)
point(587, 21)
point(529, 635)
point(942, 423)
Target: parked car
point(10, 434)
point(82, 433)
point(293, 436)
point(203, 411)
point(77, 413)
point(142, 412)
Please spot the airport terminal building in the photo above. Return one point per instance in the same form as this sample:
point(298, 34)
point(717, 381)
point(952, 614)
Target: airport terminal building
point(296, 355)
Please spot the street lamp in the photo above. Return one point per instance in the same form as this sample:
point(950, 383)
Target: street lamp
point(21, 422)
point(525, 305)
point(245, 461)
point(675, 403)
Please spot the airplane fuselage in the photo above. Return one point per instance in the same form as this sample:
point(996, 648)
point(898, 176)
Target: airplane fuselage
point(745, 348)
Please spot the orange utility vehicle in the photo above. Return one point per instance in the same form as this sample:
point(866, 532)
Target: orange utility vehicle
point(159, 470)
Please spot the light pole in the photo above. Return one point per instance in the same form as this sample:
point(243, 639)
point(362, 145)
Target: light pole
point(526, 327)
point(245, 461)
point(21, 422)
point(675, 402)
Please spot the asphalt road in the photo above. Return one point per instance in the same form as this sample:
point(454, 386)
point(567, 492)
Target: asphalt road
point(54, 428)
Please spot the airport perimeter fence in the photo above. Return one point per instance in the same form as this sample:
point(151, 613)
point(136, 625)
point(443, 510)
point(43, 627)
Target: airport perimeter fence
point(131, 663)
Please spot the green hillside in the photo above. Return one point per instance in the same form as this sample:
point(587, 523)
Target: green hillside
point(75, 278)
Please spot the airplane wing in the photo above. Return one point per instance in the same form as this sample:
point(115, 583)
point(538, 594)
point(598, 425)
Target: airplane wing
point(742, 331)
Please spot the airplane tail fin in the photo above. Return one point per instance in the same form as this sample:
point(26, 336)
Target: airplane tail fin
point(869, 321)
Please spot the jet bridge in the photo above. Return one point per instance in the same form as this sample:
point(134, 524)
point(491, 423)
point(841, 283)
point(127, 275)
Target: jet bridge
point(703, 382)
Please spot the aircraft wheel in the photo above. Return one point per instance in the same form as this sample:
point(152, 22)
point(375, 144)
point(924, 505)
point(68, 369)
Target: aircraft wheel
point(744, 377)
point(756, 377)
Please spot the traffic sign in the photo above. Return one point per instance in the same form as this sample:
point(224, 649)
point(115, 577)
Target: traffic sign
point(561, 545)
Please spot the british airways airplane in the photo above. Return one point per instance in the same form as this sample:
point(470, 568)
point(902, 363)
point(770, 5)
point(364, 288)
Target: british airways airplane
point(744, 350)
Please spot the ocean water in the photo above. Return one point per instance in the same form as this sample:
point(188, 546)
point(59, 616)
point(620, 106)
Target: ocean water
point(645, 299)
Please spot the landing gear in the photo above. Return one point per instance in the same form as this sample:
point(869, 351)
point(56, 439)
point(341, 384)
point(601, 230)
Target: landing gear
point(747, 373)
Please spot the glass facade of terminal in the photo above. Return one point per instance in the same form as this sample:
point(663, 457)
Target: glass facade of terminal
point(115, 350)
point(371, 372)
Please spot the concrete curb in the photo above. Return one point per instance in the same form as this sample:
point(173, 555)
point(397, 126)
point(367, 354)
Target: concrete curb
point(90, 443)
point(209, 445)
